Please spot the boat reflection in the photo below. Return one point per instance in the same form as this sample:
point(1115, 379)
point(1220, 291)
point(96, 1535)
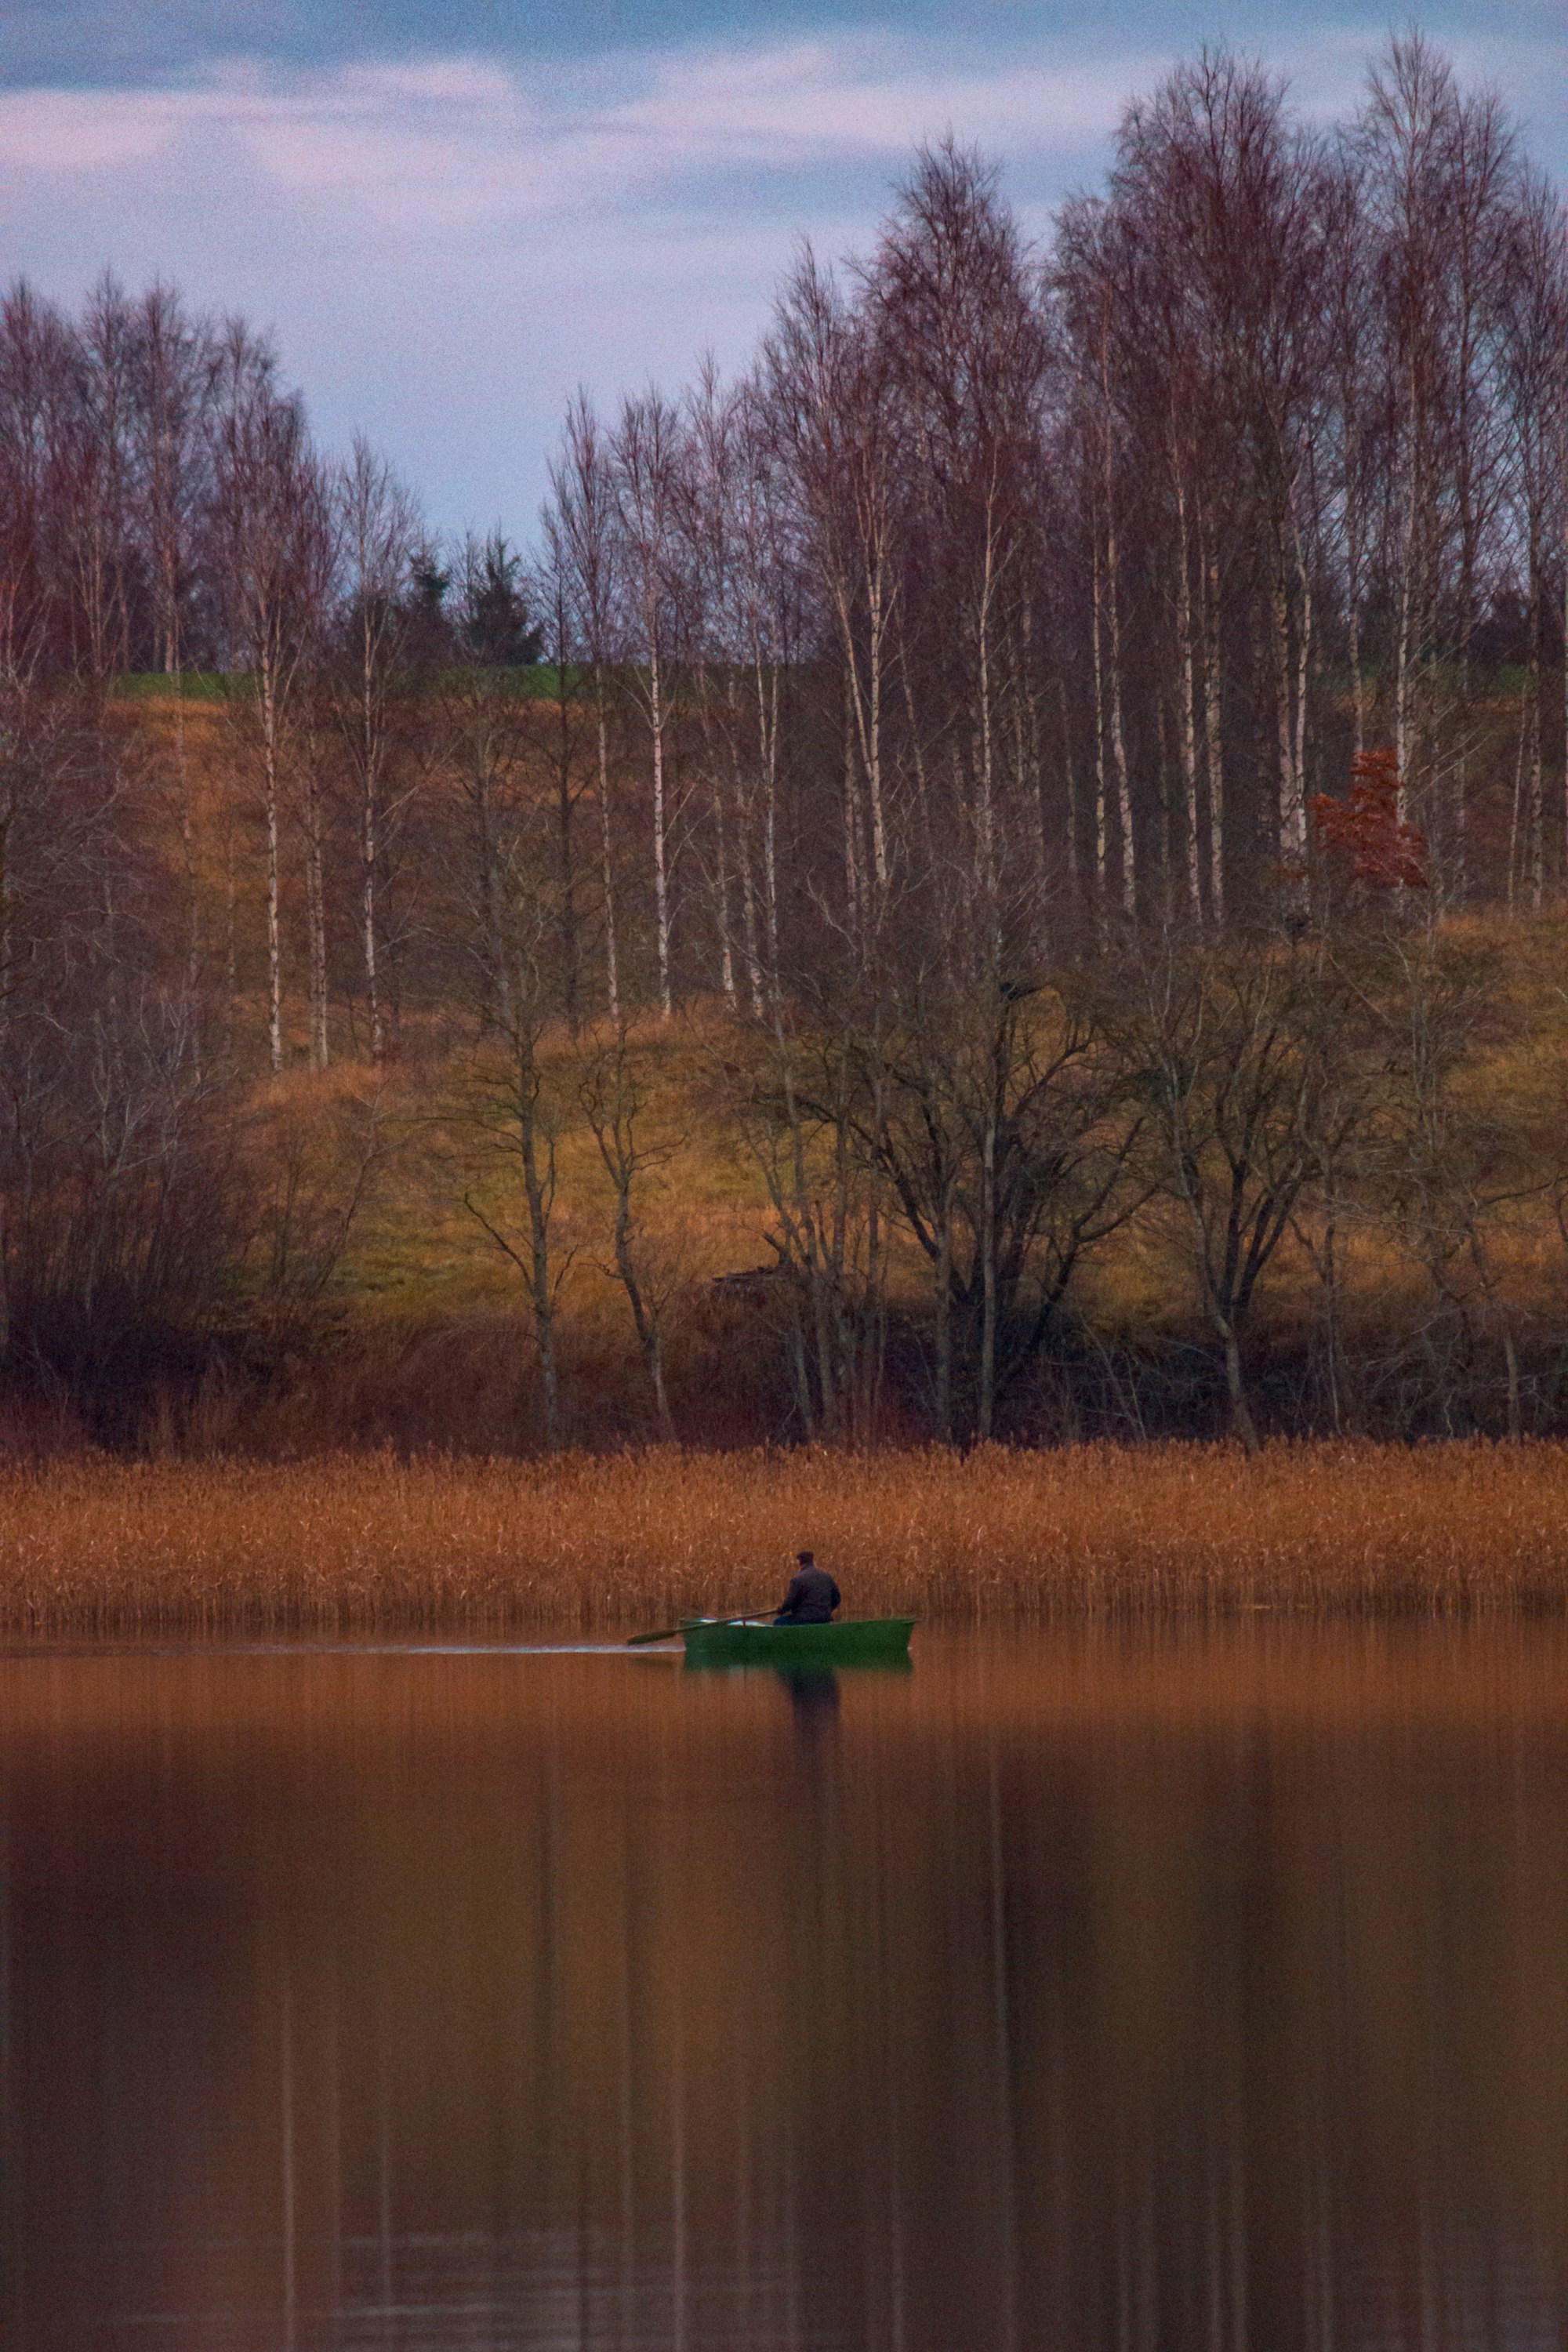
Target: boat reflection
point(813, 1694)
point(869, 1670)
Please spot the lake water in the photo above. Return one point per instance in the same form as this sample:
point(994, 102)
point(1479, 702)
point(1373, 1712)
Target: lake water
point(1095, 1991)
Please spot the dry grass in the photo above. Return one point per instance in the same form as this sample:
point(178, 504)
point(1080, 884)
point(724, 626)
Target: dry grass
point(356, 1542)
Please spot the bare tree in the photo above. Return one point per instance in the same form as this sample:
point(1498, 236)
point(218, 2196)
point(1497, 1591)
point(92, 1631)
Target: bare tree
point(616, 1099)
point(515, 1109)
point(1223, 1047)
point(276, 550)
point(953, 297)
point(378, 531)
point(997, 1117)
point(830, 394)
point(646, 457)
point(174, 385)
point(583, 550)
point(1533, 382)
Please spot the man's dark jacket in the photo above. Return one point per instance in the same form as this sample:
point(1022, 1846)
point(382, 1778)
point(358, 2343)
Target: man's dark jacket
point(811, 1599)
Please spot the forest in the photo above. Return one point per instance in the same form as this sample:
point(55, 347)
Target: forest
point(998, 876)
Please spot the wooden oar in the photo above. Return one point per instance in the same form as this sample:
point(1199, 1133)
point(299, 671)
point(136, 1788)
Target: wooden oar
point(669, 1632)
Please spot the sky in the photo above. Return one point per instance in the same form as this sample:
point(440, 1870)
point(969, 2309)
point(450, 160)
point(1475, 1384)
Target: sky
point(452, 212)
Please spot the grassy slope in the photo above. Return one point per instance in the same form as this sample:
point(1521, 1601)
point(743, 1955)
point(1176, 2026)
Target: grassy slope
point(418, 1259)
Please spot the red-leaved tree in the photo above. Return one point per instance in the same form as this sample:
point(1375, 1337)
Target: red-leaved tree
point(1367, 831)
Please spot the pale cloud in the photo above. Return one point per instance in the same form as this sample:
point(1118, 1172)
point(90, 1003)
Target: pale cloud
point(58, 134)
point(445, 141)
point(874, 96)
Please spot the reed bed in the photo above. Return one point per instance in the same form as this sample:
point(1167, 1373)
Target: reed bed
point(352, 1543)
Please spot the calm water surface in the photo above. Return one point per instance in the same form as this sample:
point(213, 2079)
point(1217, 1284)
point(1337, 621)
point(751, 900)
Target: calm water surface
point(1087, 1991)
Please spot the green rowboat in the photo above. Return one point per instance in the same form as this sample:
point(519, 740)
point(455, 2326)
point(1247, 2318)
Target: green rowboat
point(855, 1641)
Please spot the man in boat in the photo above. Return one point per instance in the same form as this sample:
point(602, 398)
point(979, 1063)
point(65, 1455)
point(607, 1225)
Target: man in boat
point(812, 1597)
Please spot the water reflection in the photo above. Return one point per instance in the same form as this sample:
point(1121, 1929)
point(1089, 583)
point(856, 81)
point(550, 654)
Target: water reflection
point(813, 1694)
point(1102, 1993)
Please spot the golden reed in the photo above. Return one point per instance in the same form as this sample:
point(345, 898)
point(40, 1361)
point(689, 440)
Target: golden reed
point(356, 1542)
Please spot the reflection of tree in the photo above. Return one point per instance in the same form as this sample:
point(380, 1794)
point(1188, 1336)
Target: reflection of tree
point(1107, 1997)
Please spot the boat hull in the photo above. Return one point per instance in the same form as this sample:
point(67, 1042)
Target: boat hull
point(858, 1641)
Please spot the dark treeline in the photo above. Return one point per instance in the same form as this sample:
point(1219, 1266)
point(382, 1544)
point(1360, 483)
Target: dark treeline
point(1047, 709)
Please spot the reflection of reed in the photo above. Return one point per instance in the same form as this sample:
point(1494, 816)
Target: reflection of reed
point(285, 2136)
point(1201, 1993)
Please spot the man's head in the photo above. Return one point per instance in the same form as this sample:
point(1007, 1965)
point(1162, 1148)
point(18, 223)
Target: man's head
point(803, 1560)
